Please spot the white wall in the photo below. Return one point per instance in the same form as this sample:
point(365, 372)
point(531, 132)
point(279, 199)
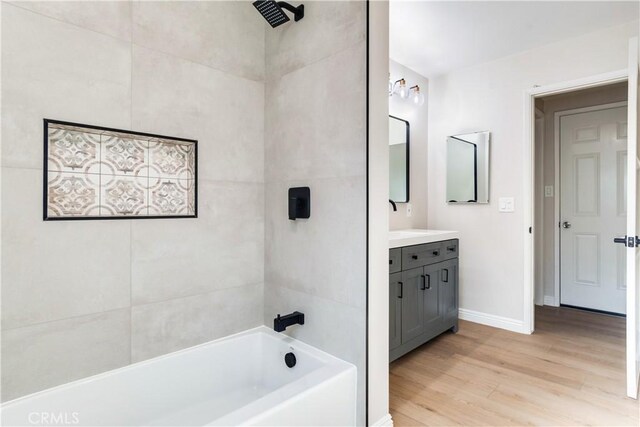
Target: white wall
point(316, 137)
point(82, 297)
point(417, 118)
point(490, 96)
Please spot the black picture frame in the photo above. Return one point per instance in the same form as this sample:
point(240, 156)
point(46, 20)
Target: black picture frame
point(45, 187)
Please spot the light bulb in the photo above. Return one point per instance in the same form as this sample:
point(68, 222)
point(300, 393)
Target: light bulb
point(417, 97)
point(403, 90)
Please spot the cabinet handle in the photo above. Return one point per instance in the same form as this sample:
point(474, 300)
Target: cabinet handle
point(401, 287)
point(436, 253)
point(428, 284)
point(414, 256)
point(424, 282)
point(451, 248)
point(445, 275)
point(390, 261)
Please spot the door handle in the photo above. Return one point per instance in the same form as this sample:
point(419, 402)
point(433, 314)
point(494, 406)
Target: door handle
point(424, 282)
point(401, 287)
point(630, 242)
point(566, 224)
point(622, 240)
point(445, 277)
point(428, 279)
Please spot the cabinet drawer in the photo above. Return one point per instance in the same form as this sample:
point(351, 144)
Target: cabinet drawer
point(449, 249)
point(395, 260)
point(420, 255)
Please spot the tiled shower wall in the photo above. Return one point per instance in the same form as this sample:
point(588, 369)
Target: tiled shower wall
point(83, 297)
point(315, 136)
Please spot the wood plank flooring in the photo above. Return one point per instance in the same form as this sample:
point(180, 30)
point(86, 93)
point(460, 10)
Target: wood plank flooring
point(571, 371)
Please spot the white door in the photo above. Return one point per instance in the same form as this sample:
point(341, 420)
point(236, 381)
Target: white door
point(593, 159)
point(633, 222)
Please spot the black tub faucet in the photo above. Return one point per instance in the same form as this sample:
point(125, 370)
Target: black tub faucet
point(281, 323)
point(395, 208)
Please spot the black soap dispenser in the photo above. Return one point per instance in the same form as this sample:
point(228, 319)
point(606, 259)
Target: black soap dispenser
point(299, 203)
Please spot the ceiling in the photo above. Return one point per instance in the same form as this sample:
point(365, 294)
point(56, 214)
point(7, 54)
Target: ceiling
point(435, 37)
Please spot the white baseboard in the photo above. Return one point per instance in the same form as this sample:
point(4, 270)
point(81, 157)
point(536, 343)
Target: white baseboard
point(507, 323)
point(385, 421)
point(549, 300)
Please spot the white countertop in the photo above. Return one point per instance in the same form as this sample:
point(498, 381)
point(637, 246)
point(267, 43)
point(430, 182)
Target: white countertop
point(400, 238)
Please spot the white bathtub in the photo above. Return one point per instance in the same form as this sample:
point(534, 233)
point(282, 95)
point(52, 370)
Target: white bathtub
point(238, 380)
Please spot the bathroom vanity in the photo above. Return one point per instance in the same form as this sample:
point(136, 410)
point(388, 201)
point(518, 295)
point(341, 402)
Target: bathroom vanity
point(423, 287)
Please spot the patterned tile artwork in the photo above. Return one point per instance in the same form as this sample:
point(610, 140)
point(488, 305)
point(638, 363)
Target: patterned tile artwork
point(104, 173)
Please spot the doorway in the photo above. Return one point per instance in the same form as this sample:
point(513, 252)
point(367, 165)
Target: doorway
point(580, 147)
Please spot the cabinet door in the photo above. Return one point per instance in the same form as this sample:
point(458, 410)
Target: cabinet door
point(395, 260)
point(395, 310)
point(412, 304)
point(449, 290)
point(431, 300)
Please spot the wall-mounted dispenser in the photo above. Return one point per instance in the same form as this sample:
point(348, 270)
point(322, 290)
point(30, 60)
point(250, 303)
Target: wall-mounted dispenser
point(299, 203)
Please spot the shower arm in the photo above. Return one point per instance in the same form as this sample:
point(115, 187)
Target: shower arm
point(298, 12)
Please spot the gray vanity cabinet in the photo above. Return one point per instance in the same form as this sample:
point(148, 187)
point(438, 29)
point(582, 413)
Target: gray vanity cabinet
point(423, 299)
point(395, 310)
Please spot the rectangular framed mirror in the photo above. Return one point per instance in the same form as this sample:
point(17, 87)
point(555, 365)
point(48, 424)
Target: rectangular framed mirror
point(468, 168)
point(398, 160)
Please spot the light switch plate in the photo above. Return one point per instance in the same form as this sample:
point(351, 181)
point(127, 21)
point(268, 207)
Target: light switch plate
point(548, 191)
point(506, 204)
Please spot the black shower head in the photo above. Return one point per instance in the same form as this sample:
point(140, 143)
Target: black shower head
point(273, 13)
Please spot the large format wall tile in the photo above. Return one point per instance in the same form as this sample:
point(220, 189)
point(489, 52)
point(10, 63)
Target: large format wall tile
point(108, 17)
point(315, 125)
point(51, 69)
point(54, 270)
point(328, 28)
point(172, 325)
point(49, 354)
point(315, 135)
point(324, 255)
point(222, 248)
point(224, 113)
point(225, 35)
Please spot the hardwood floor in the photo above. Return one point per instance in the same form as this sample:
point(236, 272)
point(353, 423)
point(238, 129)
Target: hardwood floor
point(571, 371)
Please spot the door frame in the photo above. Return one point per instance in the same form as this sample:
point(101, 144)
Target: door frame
point(528, 167)
point(539, 168)
point(556, 209)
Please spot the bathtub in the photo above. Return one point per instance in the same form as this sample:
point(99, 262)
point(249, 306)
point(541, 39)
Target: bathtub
point(237, 380)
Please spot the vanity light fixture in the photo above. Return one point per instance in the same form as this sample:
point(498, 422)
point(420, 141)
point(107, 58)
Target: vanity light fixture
point(400, 88)
point(417, 97)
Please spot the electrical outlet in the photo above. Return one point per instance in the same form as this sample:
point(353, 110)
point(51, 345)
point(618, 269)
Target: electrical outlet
point(409, 209)
point(548, 191)
point(506, 204)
